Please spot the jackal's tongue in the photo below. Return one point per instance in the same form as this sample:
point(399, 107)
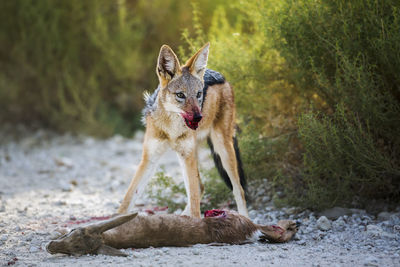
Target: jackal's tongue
point(192, 120)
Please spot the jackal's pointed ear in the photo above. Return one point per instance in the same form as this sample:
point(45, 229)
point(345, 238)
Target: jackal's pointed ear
point(168, 65)
point(198, 62)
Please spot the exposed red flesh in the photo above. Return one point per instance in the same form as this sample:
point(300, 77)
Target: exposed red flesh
point(278, 229)
point(215, 213)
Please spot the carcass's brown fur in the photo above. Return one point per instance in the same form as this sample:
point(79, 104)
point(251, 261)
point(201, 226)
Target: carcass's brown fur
point(158, 231)
point(131, 231)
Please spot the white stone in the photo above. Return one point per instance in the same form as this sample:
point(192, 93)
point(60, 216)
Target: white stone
point(3, 237)
point(324, 223)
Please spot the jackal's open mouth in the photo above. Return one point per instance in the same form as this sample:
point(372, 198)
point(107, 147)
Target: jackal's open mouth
point(192, 119)
point(193, 124)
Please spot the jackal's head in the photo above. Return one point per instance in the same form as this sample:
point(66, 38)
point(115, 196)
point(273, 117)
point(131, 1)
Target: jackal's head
point(182, 86)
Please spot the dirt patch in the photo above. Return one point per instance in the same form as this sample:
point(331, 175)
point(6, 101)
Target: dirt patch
point(51, 183)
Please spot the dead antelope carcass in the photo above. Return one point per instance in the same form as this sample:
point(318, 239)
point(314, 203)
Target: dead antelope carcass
point(132, 231)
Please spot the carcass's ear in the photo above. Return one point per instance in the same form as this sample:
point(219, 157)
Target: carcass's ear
point(198, 62)
point(167, 66)
point(107, 250)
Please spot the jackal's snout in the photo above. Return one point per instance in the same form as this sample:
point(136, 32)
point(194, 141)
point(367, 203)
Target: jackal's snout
point(193, 118)
point(197, 117)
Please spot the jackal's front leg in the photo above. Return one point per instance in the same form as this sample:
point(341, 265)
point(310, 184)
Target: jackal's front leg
point(192, 183)
point(152, 150)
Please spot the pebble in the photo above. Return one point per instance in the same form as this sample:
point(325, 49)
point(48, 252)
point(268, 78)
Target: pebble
point(66, 187)
point(324, 223)
point(54, 235)
point(384, 216)
point(64, 161)
point(302, 242)
point(253, 214)
point(371, 261)
point(28, 237)
point(395, 218)
point(59, 203)
point(335, 213)
point(265, 199)
point(339, 224)
point(376, 231)
point(3, 237)
point(139, 255)
point(33, 249)
point(158, 253)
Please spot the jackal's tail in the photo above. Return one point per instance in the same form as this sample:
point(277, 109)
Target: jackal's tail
point(222, 171)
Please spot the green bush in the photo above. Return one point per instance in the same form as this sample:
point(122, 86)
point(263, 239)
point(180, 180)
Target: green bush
point(82, 66)
point(343, 161)
point(267, 101)
point(166, 192)
point(347, 52)
point(335, 62)
point(65, 63)
point(216, 193)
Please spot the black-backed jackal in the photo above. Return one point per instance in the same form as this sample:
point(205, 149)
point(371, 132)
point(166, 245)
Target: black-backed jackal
point(190, 104)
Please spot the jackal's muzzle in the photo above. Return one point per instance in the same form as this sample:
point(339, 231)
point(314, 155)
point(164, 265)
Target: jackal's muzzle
point(192, 120)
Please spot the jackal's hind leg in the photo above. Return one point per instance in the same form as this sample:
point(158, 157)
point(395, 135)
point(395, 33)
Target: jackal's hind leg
point(223, 146)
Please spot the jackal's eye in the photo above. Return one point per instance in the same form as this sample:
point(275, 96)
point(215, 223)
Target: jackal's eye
point(199, 94)
point(180, 95)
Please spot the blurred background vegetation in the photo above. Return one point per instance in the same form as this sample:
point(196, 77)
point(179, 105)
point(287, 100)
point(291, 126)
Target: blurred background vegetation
point(317, 83)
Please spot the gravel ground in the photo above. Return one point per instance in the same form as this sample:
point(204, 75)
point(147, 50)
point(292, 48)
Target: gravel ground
point(50, 182)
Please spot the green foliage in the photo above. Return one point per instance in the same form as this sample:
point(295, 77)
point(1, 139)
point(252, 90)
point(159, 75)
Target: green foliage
point(241, 49)
point(165, 191)
point(347, 52)
point(335, 62)
point(62, 61)
point(316, 82)
point(267, 101)
point(82, 66)
point(216, 193)
point(342, 160)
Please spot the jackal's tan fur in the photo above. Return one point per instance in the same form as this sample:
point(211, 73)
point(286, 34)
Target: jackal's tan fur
point(165, 126)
